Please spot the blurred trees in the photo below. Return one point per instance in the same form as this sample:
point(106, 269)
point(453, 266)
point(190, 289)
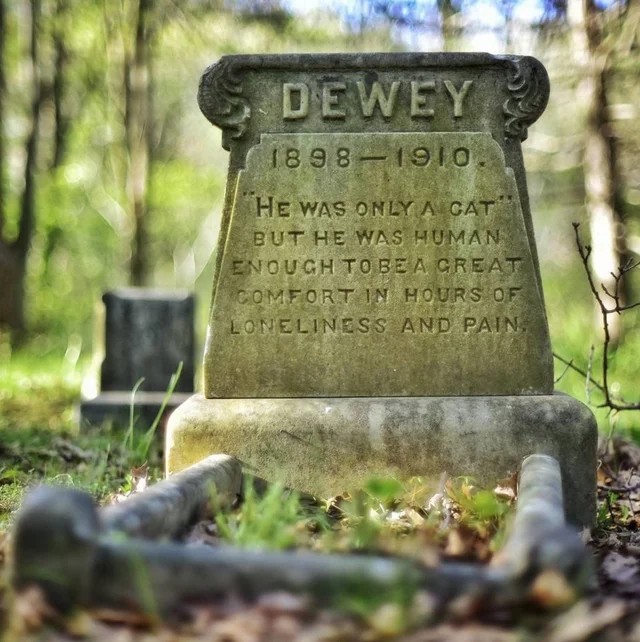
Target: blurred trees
point(105, 161)
point(13, 253)
point(138, 123)
point(111, 176)
point(599, 36)
point(595, 40)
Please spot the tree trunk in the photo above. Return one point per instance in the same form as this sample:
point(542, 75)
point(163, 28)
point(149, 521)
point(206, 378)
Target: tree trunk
point(13, 256)
point(447, 32)
point(3, 91)
point(12, 274)
point(61, 58)
point(10, 308)
point(602, 188)
point(601, 176)
point(138, 124)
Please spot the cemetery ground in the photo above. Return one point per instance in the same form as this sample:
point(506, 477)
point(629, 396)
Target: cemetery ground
point(454, 521)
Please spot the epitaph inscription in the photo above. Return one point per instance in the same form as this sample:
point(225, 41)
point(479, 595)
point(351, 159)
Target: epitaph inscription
point(377, 263)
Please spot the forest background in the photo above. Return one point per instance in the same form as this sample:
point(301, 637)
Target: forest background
point(110, 176)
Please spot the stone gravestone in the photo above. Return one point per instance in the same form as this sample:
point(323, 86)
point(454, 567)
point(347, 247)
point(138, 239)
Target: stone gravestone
point(147, 334)
point(377, 303)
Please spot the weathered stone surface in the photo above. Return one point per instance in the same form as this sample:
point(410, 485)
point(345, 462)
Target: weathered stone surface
point(169, 507)
point(376, 238)
point(82, 564)
point(55, 544)
point(115, 407)
point(399, 274)
point(148, 332)
point(327, 445)
point(376, 263)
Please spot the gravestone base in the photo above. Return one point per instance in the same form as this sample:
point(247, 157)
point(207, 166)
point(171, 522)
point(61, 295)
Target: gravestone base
point(115, 407)
point(326, 446)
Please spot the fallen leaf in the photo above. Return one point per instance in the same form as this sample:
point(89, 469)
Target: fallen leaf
point(435, 502)
point(457, 545)
point(584, 619)
point(551, 590)
point(388, 620)
point(139, 478)
point(602, 477)
point(247, 626)
point(282, 603)
point(117, 616)
point(466, 633)
point(467, 489)
point(31, 609)
point(505, 492)
point(204, 532)
point(622, 570)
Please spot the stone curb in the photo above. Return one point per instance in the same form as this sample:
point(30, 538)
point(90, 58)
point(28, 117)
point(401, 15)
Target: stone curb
point(85, 561)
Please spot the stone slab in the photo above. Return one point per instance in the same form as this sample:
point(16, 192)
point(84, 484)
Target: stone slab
point(376, 238)
point(147, 333)
point(115, 407)
point(369, 288)
point(325, 446)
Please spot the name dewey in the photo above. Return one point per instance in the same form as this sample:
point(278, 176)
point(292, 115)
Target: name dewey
point(425, 97)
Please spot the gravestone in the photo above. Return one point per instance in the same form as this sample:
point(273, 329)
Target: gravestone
point(377, 303)
point(147, 334)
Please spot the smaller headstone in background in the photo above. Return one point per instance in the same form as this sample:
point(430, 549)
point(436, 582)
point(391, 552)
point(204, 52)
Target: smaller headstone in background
point(147, 334)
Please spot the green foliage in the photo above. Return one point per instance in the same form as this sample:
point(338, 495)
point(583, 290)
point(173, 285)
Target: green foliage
point(388, 612)
point(39, 439)
point(275, 519)
point(38, 392)
point(477, 505)
point(84, 222)
point(384, 489)
point(84, 226)
point(362, 519)
point(574, 336)
point(481, 510)
point(95, 461)
point(605, 518)
point(139, 443)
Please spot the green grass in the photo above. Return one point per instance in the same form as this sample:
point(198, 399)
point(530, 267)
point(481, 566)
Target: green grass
point(38, 392)
point(275, 519)
point(384, 517)
point(97, 461)
point(40, 441)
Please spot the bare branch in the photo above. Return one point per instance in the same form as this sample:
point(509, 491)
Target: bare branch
point(572, 366)
point(568, 364)
point(629, 306)
point(620, 489)
point(613, 403)
point(604, 287)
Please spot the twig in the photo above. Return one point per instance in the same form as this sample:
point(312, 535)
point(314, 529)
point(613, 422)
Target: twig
point(573, 366)
point(610, 401)
point(587, 382)
point(568, 364)
point(620, 489)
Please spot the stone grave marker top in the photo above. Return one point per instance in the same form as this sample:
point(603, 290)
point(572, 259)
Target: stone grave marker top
point(376, 238)
point(148, 332)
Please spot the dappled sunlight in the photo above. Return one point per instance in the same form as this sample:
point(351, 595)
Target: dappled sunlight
point(410, 410)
